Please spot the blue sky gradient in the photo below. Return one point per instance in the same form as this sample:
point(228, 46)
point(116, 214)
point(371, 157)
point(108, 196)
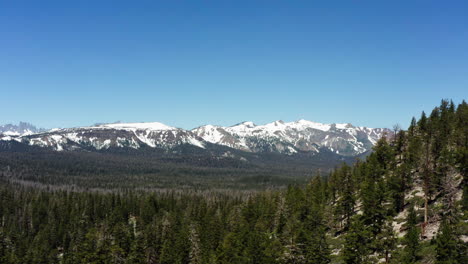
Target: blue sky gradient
point(189, 63)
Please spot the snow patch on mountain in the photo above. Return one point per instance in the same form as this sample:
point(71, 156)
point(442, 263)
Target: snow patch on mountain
point(139, 126)
point(105, 136)
point(278, 136)
point(292, 137)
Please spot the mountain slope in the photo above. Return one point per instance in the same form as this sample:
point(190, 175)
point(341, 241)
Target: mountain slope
point(292, 137)
point(276, 137)
point(121, 135)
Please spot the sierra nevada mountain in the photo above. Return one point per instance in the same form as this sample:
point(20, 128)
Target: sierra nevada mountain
point(276, 137)
point(293, 137)
point(105, 136)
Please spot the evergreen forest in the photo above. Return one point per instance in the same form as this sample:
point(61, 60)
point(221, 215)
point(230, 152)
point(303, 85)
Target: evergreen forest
point(406, 202)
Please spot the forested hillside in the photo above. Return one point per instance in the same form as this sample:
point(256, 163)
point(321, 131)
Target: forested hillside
point(406, 202)
point(153, 169)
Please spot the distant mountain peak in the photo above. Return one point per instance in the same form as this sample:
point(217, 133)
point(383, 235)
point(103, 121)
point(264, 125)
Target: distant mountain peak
point(277, 137)
point(278, 123)
point(23, 128)
point(245, 123)
point(249, 124)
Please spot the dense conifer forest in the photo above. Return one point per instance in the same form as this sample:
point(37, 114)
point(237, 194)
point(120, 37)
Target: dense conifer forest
point(152, 169)
point(406, 202)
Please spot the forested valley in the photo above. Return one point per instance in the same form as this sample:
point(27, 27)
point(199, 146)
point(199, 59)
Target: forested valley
point(406, 202)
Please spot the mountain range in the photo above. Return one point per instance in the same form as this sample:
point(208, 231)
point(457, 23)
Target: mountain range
point(286, 138)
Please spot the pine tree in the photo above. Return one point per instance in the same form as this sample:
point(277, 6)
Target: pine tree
point(373, 195)
point(426, 129)
point(411, 238)
point(447, 245)
point(232, 250)
point(346, 201)
point(313, 234)
point(356, 250)
point(137, 252)
point(315, 246)
point(168, 253)
point(195, 254)
point(386, 241)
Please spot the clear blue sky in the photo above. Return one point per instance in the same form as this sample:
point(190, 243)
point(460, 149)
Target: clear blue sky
point(188, 63)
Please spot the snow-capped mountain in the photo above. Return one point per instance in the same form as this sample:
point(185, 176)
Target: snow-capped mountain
point(276, 137)
point(22, 128)
point(119, 135)
point(292, 137)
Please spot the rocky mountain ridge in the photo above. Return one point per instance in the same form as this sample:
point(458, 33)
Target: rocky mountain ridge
point(276, 137)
